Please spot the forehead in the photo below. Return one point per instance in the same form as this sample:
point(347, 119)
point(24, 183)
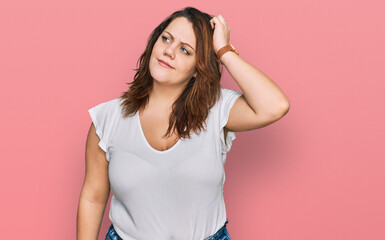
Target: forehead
point(182, 30)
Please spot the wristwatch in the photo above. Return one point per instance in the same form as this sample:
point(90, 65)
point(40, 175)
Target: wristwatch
point(225, 49)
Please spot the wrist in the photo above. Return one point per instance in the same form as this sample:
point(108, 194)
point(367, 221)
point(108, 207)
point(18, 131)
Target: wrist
point(227, 57)
point(227, 48)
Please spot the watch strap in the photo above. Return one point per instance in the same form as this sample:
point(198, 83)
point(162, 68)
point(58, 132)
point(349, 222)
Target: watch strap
point(225, 49)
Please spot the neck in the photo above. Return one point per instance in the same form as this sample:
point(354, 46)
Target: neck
point(163, 96)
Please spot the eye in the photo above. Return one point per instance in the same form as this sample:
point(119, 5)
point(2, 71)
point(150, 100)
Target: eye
point(163, 37)
point(186, 51)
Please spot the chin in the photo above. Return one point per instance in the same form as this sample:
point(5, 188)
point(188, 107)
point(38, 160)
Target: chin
point(158, 72)
point(159, 76)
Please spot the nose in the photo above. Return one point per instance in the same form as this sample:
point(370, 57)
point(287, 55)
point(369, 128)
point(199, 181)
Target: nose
point(169, 51)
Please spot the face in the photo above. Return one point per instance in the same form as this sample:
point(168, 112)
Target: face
point(176, 45)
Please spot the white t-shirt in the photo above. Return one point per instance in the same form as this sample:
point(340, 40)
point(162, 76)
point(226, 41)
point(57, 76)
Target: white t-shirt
point(173, 194)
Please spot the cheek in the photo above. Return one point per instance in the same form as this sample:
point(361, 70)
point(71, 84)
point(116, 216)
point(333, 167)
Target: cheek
point(188, 70)
point(192, 66)
point(156, 48)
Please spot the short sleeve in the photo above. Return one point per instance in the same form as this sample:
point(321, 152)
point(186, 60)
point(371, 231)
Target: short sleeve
point(227, 100)
point(104, 118)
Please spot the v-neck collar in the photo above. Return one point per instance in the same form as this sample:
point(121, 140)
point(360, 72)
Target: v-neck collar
point(148, 144)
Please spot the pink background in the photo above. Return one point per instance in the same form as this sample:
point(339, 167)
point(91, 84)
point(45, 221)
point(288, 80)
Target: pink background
point(318, 173)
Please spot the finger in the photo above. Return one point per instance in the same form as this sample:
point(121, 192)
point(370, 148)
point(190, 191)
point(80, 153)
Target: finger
point(222, 19)
point(212, 23)
point(220, 22)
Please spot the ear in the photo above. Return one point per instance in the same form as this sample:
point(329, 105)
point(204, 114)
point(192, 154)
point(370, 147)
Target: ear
point(195, 75)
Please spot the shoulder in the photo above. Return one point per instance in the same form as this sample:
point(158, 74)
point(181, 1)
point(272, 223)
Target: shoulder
point(110, 103)
point(106, 111)
point(227, 98)
point(108, 106)
point(229, 93)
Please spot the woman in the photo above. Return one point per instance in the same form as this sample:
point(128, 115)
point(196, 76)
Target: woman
point(162, 145)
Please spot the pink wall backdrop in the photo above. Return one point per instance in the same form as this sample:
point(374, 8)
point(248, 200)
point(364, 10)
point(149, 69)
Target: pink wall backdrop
point(318, 173)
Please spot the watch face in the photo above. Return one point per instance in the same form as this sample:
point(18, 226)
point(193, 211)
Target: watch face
point(233, 49)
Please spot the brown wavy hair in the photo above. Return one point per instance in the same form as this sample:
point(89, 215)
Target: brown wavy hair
point(191, 108)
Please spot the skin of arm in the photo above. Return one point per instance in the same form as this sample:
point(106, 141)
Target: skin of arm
point(95, 191)
point(263, 102)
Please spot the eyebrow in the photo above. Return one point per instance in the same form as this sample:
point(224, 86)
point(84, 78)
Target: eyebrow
point(181, 42)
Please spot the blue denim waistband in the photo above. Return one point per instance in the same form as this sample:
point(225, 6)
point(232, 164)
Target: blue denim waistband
point(221, 234)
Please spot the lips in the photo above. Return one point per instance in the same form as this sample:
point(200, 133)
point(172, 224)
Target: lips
point(164, 63)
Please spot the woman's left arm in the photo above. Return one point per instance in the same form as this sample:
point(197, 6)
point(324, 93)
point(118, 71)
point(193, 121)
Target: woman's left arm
point(261, 93)
point(263, 102)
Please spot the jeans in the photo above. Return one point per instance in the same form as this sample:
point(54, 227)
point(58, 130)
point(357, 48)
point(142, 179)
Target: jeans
point(221, 234)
